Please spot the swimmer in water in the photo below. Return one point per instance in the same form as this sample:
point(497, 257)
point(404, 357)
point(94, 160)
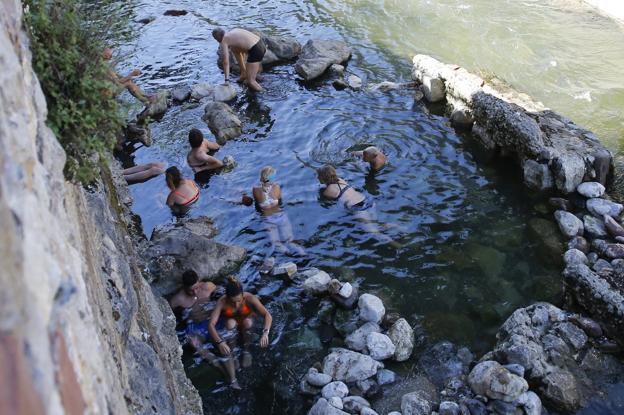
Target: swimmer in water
point(236, 310)
point(198, 157)
point(373, 156)
point(356, 202)
point(193, 305)
point(267, 196)
point(184, 192)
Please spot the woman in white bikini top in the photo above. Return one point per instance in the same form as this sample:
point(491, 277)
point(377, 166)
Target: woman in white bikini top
point(267, 194)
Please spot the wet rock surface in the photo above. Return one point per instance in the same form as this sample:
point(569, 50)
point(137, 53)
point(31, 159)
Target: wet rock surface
point(318, 55)
point(188, 244)
point(222, 121)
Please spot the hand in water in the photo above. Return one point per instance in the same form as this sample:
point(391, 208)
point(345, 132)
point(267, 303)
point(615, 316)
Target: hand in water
point(135, 72)
point(224, 349)
point(264, 340)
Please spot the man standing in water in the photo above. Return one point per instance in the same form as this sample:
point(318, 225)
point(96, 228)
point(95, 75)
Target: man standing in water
point(242, 42)
point(373, 156)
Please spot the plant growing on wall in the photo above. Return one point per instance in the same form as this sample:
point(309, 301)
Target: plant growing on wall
point(67, 39)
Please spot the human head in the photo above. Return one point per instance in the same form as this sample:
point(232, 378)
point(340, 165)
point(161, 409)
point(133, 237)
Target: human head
point(196, 138)
point(218, 34)
point(267, 174)
point(234, 290)
point(327, 174)
point(189, 279)
point(370, 153)
point(173, 176)
point(107, 54)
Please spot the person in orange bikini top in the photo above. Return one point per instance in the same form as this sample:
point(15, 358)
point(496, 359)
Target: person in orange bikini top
point(237, 309)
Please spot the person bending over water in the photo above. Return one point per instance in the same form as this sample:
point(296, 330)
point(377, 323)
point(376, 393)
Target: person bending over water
point(242, 42)
point(338, 189)
point(199, 158)
point(373, 156)
point(192, 304)
point(268, 196)
point(184, 192)
point(126, 81)
point(236, 310)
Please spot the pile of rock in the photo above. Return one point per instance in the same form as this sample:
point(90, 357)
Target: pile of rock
point(357, 369)
point(595, 256)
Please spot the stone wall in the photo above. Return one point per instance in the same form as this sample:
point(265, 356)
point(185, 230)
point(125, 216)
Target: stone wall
point(553, 152)
point(80, 330)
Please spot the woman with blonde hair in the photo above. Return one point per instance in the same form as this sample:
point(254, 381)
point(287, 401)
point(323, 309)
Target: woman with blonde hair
point(268, 196)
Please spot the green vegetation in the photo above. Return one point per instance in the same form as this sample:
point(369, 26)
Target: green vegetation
point(67, 39)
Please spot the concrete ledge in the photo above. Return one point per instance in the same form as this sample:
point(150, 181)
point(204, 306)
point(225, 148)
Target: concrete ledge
point(554, 153)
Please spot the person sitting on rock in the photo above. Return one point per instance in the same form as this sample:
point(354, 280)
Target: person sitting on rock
point(198, 157)
point(373, 156)
point(126, 81)
point(193, 305)
point(242, 42)
point(268, 195)
point(143, 172)
point(338, 189)
point(184, 192)
point(236, 310)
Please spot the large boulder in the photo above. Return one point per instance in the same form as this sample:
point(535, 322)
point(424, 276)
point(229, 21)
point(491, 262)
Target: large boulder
point(156, 107)
point(222, 121)
point(316, 281)
point(564, 366)
point(491, 379)
point(402, 336)
point(188, 244)
point(371, 308)
point(348, 366)
point(318, 55)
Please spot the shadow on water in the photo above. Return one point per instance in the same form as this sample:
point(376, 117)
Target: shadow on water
point(467, 259)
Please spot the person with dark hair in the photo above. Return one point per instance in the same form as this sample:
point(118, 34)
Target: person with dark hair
point(236, 310)
point(243, 43)
point(199, 158)
point(268, 195)
point(184, 192)
point(193, 305)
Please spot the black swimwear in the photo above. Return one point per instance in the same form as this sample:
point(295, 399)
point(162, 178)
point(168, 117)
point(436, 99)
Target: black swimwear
point(256, 53)
point(342, 190)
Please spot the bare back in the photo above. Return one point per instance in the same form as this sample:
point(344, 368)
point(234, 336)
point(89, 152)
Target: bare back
point(240, 39)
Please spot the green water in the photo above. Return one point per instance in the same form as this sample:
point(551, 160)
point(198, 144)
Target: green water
point(560, 52)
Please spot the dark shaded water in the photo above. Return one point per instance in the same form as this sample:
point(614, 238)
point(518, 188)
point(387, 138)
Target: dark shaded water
point(467, 261)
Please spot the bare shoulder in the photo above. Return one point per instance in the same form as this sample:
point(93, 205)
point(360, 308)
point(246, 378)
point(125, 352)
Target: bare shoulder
point(331, 191)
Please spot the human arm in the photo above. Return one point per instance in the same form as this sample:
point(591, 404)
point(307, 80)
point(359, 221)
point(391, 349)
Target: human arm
point(124, 79)
point(225, 50)
point(268, 319)
point(277, 192)
point(209, 161)
point(171, 199)
point(211, 145)
point(214, 318)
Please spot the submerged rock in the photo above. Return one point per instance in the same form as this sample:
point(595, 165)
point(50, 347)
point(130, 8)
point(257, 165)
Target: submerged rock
point(287, 269)
point(222, 121)
point(318, 55)
point(188, 244)
point(181, 93)
point(348, 366)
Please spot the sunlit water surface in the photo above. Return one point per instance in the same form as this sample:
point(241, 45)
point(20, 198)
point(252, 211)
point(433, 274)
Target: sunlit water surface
point(467, 260)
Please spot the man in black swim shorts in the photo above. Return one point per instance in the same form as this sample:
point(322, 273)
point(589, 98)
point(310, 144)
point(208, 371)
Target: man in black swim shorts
point(242, 42)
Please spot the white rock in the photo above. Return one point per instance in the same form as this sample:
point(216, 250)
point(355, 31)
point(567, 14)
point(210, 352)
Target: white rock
point(415, 404)
point(385, 377)
point(224, 93)
point(348, 366)
point(357, 339)
point(394, 413)
point(591, 189)
point(355, 82)
point(490, 379)
point(368, 411)
point(317, 379)
point(574, 257)
point(346, 290)
point(332, 389)
point(530, 402)
point(371, 308)
point(569, 224)
point(599, 207)
point(200, 91)
point(402, 336)
point(355, 404)
point(317, 281)
point(322, 407)
point(433, 88)
point(336, 402)
point(449, 408)
point(288, 268)
point(379, 346)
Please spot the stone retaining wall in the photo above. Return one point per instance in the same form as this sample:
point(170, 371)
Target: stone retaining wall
point(553, 152)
